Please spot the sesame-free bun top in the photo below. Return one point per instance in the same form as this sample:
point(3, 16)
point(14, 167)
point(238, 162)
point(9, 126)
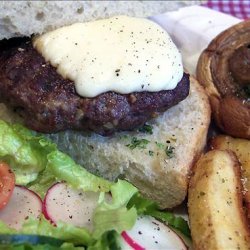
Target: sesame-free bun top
point(24, 18)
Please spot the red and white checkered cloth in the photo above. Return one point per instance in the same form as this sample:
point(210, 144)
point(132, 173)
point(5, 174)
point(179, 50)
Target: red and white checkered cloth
point(237, 8)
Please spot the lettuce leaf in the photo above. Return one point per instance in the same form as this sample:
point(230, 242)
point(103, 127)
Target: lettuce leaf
point(65, 169)
point(115, 215)
point(31, 241)
point(148, 207)
point(61, 167)
point(27, 246)
point(24, 151)
point(38, 163)
point(63, 231)
point(109, 240)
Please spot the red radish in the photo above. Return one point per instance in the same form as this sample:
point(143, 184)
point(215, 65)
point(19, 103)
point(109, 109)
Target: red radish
point(131, 242)
point(65, 204)
point(148, 233)
point(23, 204)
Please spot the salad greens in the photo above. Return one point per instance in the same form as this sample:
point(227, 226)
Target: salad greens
point(148, 207)
point(38, 164)
point(25, 152)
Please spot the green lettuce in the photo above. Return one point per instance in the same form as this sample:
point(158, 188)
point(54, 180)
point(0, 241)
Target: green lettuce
point(64, 168)
point(38, 163)
point(148, 207)
point(63, 231)
point(27, 246)
point(24, 151)
point(60, 167)
point(109, 240)
point(115, 215)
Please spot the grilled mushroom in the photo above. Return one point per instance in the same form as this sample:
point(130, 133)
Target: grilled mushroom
point(224, 70)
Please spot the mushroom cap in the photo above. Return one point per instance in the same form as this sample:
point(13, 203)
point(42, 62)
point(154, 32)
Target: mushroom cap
point(229, 96)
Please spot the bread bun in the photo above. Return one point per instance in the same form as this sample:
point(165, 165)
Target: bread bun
point(24, 18)
point(224, 70)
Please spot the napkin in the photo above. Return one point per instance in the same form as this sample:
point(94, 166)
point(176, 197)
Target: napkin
point(192, 29)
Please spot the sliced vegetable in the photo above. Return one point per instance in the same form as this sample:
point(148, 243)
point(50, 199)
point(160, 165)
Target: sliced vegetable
point(23, 204)
point(29, 238)
point(7, 184)
point(115, 215)
point(148, 233)
point(25, 152)
point(109, 240)
point(63, 231)
point(65, 204)
point(148, 207)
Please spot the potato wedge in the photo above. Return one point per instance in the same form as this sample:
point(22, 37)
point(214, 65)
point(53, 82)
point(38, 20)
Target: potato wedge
point(241, 148)
point(216, 215)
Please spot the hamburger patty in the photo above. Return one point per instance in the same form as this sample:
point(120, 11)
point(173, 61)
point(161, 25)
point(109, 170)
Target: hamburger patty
point(49, 103)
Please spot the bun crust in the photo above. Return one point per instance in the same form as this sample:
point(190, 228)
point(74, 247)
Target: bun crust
point(24, 18)
point(230, 108)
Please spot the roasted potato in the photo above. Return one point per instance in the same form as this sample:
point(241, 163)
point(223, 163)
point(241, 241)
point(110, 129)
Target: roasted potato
point(241, 148)
point(216, 214)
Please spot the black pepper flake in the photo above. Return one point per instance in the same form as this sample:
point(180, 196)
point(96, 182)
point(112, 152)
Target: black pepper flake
point(139, 71)
point(139, 232)
point(142, 86)
point(76, 43)
point(70, 216)
point(117, 72)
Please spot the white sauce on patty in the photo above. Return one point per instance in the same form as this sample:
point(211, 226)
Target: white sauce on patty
point(121, 54)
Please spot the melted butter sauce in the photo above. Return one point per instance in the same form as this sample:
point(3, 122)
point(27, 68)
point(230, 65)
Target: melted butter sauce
point(121, 54)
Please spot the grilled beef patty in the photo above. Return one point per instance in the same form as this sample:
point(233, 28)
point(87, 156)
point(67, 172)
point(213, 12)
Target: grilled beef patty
point(49, 103)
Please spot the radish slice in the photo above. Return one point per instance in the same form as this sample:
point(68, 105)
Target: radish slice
point(148, 233)
point(23, 204)
point(65, 204)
